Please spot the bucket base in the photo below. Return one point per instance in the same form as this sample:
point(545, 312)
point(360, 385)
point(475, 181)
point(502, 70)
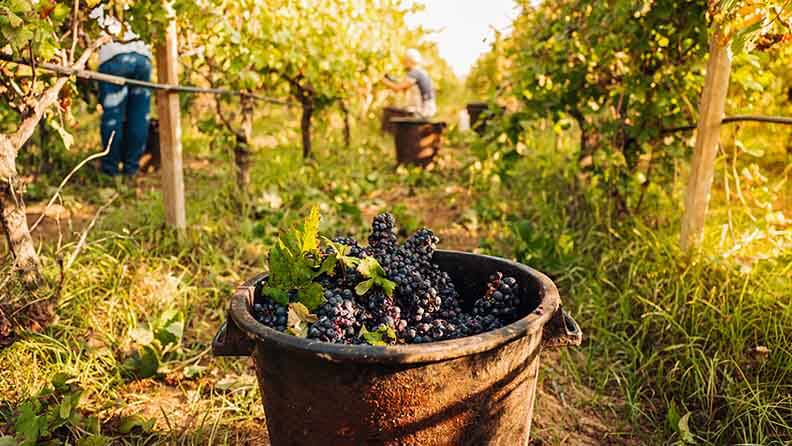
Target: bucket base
point(491, 403)
point(417, 141)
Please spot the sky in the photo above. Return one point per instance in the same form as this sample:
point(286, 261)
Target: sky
point(464, 27)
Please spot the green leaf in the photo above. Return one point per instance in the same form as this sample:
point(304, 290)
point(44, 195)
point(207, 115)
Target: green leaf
point(144, 363)
point(170, 327)
point(19, 6)
point(378, 337)
point(65, 408)
point(370, 267)
point(280, 261)
point(61, 382)
point(328, 265)
point(276, 294)
point(131, 422)
point(29, 423)
point(7, 440)
point(66, 137)
point(60, 12)
point(341, 252)
point(310, 232)
point(312, 296)
point(193, 371)
point(363, 287)
point(387, 286)
point(94, 440)
point(683, 428)
point(142, 336)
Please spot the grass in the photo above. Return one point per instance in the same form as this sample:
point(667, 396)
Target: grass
point(667, 334)
point(675, 333)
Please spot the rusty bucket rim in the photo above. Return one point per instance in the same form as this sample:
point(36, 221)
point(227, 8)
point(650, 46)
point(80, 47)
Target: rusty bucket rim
point(533, 323)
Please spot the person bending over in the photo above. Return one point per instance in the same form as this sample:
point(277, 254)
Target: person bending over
point(422, 99)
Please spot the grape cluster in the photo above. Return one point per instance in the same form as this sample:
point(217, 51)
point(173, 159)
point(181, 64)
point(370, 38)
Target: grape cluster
point(501, 300)
point(383, 234)
point(424, 307)
point(271, 314)
point(382, 310)
point(338, 318)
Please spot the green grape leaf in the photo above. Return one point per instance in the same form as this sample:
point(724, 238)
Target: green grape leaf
point(312, 296)
point(387, 286)
point(378, 337)
point(364, 286)
point(280, 261)
point(276, 294)
point(341, 252)
point(328, 265)
point(310, 233)
point(370, 267)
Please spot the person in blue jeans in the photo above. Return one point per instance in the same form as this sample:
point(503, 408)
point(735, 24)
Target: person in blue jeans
point(125, 113)
point(125, 109)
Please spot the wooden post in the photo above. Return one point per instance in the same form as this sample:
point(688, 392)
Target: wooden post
point(170, 130)
point(711, 108)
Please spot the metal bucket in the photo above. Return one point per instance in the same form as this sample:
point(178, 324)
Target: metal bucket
point(417, 140)
point(151, 160)
point(477, 390)
point(480, 115)
point(389, 113)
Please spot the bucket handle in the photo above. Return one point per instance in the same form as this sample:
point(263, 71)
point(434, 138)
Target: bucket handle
point(230, 340)
point(561, 331)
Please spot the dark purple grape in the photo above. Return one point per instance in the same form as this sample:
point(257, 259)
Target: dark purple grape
point(424, 307)
point(271, 314)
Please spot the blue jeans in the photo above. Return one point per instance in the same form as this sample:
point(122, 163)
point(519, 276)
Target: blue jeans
point(125, 111)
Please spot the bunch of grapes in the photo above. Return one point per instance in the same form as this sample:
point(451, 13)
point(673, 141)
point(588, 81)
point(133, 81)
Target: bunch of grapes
point(500, 301)
point(424, 306)
point(338, 318)
point(271, 314)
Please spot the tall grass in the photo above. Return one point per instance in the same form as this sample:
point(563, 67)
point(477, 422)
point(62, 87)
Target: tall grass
point(673, 333)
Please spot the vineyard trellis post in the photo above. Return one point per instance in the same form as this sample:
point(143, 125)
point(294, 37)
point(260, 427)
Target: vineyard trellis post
point(170, 130)
point(711, 110)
